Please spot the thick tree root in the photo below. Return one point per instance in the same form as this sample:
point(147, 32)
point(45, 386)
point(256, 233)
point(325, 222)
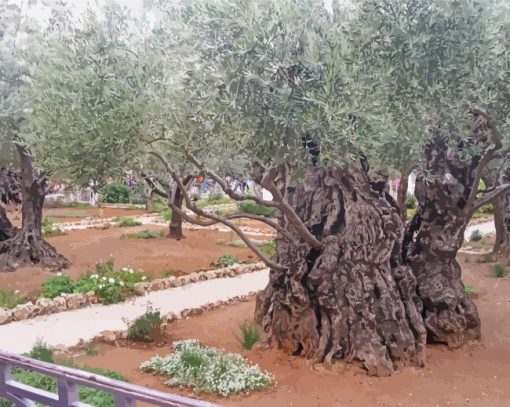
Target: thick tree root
point(27, 248)
point(350, 301)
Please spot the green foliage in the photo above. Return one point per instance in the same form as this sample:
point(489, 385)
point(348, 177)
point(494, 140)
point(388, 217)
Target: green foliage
point(9, 299)
point(79, 205)
point(49, 228)
point(212, 200)
point(127, 222)
point(250, 334)
point(144, 234)
point(500, 271)
point(116, 192)
point(226, 260)
point(269, 248)
point(411, 201)
point(64, 215)
point(55, 286)
point(207, 369)
point(42, 351)
point(486, 209)
point(469, 290)
point(91, 349)
point(146, 327)
point(256, 209)
point(475, 236)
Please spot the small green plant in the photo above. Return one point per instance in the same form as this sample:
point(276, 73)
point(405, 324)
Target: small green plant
point(226, 260)
point(469, 289)
point(55, 286)
point(411, 202)
point(49, 228)
point(91, 349)
point(167, 215)
point(269, 248)
point(115, 192)
point(144, 234)
point(42, 351)
point(127, 222)
point(250, 334)
point(9, 299)
point(208, 369)
point(78, 205)
point(168, 272)
point(475, 236)
point(213, 200)
point(500, 271)
point(256, 209)
point(145, 327)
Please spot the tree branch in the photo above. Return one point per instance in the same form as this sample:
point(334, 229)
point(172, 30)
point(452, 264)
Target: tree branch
point(489, 196)
point(190, 205)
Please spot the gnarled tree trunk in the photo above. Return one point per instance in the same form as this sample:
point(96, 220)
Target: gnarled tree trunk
point(27, 246)
point(432, 241)
point(502, 224)
point(402, 193)
point(6, 228)
point(353, 299)
point(175, 227)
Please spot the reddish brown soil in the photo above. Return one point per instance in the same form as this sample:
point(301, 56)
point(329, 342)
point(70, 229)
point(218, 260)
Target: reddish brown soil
point(475, 375)
point(84, 248)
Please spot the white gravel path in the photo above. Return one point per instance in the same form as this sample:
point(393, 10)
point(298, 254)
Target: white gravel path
point(67, 328)
point(485, 228)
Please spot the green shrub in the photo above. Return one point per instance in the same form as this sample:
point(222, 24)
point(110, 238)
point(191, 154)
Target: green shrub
point(500, 271)
point(42, 351)
point(411, 201)
point(469, 289)
point(127, 222)
point(49, 228)
point(250, 334)
point(9, 299)
point(475, 236)
point(226, 260)
point(55, 286)
point(116, 192)
point(269, 248)
point(144, 328)
point(208, 369)
point(91, 349)
point(212, 200)
point(486, 209)
point(256, 209)
point(78, 205)
point(144, 234)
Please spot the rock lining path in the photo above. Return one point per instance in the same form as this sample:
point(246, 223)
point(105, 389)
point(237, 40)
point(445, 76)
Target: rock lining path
point(67, 328)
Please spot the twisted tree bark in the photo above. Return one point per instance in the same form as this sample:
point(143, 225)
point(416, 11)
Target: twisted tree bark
point(432, 241)
point(27, 246)
point(352, 299)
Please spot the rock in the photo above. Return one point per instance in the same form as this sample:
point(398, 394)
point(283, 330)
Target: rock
point(185, 280)
point(231, 272)
point(202, 276)
point(193, 277)
point(92, 298)
point(210, 275)
point(45, 306)
point(157, 285)
point(108, 337)
point(220, 273)
point(5, 315)
point(188, 312)
point(141, 288)
point(75, 301)
point(172, 316)
point(177, 283)
point(60, 303)
point(23, 311)
point(170, 281)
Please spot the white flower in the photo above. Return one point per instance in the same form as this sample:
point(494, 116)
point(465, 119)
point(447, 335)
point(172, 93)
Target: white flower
point(104, 279)
point(94, 276)
point(122, 283)
point(16, 292)
point(131, 271)
point(144, 278)
point(59, 274)
point(124, 269)
point(101, 286)
point(63, 294)
point(111, 280)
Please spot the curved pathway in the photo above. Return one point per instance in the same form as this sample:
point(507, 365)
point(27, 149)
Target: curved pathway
point(67, 328)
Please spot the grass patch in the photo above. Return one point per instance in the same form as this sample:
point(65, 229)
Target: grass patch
point(250, 334)
point(78, 205)
point(87, 395)
point(49, 229)
point(144, 234)
point(9, 299)
point(469, 290)
point(123, 222)
point(208, 369)
point(500, 271)
point(67, 215)
point(145, 328)
point(168, 272)
point(212, 200)
point(485, 258)
point(226, 260)
point(256, 209)
point(269, 248)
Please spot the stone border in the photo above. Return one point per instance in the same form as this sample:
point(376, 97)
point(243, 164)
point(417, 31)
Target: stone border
point(112, 337)
point(46, 306)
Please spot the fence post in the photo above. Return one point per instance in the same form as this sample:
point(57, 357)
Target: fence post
point(123, 401)
point(68, 393)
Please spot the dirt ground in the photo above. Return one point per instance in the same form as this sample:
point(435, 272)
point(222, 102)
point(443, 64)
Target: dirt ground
point(475, 375)
point(84, 248)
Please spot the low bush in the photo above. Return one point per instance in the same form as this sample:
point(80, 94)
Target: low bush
point(127, 222)
point(42, 351)
point(226, 260)
point(475, 236)
point(87, 395)
point(500, 271)
point(9, 299)
point(144, 234)
point(212, 200)
point(269, 248)
point(116, 192)
point(208, 369)
point(58, 285)
point(250, 334)
point(49, 228)
point(256, 209)
point(145, 328)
